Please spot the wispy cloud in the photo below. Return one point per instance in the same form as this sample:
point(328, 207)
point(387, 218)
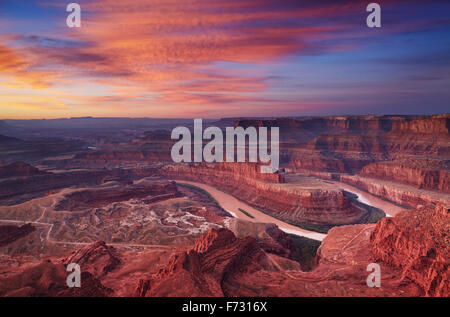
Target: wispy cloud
point(174, 50)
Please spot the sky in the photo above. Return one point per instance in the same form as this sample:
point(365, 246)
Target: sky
point(223, 58)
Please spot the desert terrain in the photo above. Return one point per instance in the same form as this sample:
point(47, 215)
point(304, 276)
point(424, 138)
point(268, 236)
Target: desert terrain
point(105, 194)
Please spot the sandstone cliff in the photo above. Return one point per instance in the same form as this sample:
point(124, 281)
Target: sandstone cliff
point(100, 197)
point(418, 243)
point(97, 259)
point(401, 194)
point(207, 268)
point(268, 192)
point(423, 174)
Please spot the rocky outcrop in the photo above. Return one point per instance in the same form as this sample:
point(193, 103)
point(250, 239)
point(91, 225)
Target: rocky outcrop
point(401, 194)
point(48, 279)
point(423, 174)
point(98, 259)
point(434, 125)
point(269, 193)
point(9, 234)
point(233, 172)
point(90, 287)
point(100, 197)
point(220, 264)
point(275, 241)
point(347, 144)
point(18, 169)
point(205, 270)
point(412, 250)
point(418, 243)
point(306, 129)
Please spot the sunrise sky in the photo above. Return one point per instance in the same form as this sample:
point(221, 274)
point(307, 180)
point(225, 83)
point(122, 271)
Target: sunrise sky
point(210, 58)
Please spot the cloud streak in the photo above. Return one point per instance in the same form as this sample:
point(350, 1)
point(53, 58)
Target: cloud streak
point(175, 51)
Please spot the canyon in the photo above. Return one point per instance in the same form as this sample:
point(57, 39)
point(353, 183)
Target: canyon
point(299, 200)
point(221, 263)
point(350, 191)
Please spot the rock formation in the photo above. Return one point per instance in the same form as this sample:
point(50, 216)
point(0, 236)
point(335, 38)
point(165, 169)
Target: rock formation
point(205, 270)
point(418, 243)
point(98, 259)
point(49, 279)
point(420, 173)
point(9, 234)
point(100, 197)
point(18, 169)
point(269, 193)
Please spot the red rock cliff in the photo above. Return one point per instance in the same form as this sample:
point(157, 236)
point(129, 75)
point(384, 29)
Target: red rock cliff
point(423, 175)
point(267, 192)
point(418, 243)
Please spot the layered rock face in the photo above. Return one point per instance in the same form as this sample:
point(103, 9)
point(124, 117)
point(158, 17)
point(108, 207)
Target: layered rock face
point(306, 129)
point(98, 259)
point(354, 147)
point(438, 125)
point(418, 243)
point(420, 173)
point(401, 194)
point(412, 250)
point(48, 278)
point(220, 264)
point(15, 190)
point(267, 192)
point(401, 150)
point(205, 269)
point(84, 199)
point(233, 172)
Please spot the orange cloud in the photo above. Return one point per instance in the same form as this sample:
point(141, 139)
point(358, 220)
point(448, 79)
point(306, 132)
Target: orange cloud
point(170, 54)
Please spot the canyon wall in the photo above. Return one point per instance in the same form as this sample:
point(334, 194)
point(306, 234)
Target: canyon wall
point(435, 125)
point(423, 176)
point(417, 242)
point(269, 193)
point(19, 189)
point(401, 158)
point(100, 197)
point(398, 193)
point(412, 250)
point(347, 144)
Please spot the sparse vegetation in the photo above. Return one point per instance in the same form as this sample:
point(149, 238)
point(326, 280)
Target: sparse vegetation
point(306, 251)
point(246, 213)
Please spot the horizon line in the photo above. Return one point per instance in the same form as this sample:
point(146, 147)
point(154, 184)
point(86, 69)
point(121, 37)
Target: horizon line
point(232, 117)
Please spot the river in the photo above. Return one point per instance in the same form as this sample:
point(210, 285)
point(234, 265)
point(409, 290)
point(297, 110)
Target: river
point(232, 206)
